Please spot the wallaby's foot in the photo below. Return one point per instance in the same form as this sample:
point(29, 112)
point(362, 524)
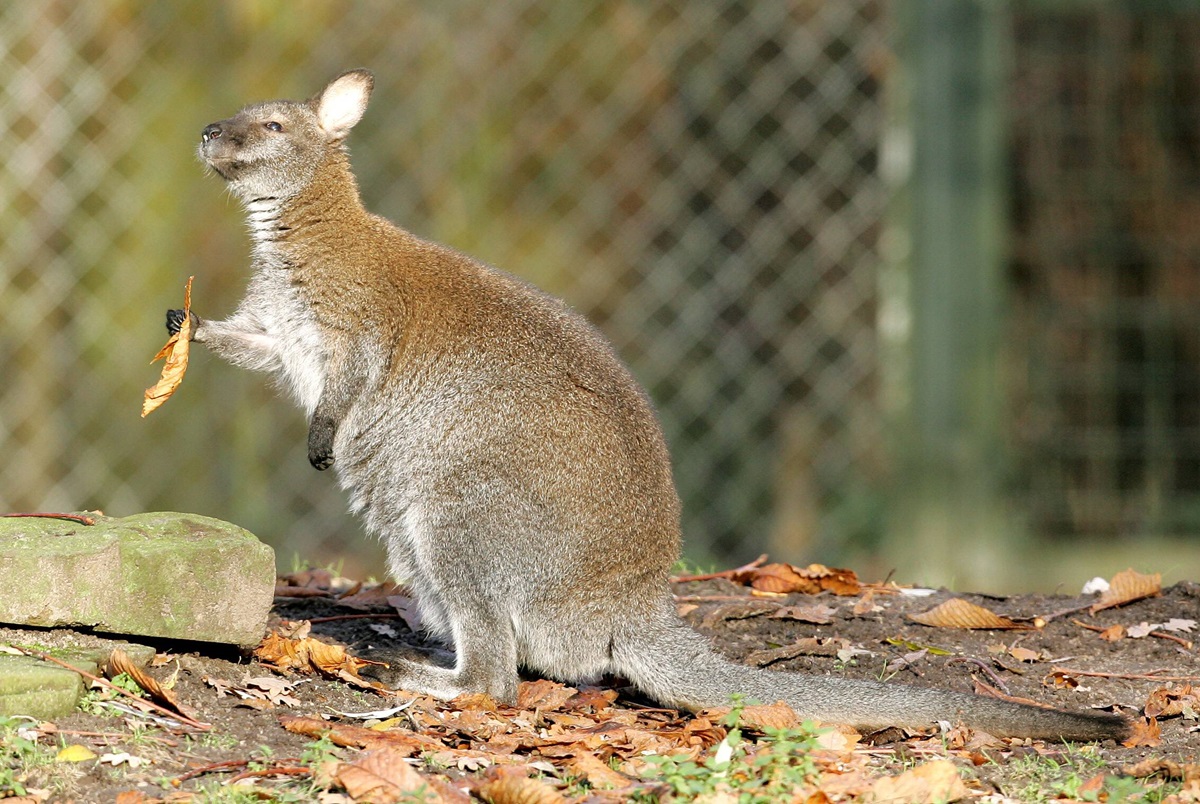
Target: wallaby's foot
point(440, 682)
point(175, 321)
point(320, 442)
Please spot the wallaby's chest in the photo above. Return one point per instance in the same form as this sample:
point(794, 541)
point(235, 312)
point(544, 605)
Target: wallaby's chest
point(288, 318)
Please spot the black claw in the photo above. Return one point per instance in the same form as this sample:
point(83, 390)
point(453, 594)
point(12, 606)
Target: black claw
point(174, 321)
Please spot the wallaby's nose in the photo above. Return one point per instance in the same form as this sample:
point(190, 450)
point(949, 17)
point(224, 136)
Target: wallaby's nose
point(211, 132)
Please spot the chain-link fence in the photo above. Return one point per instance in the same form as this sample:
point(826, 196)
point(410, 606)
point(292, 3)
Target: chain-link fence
point(1106, 267)
point(702, 179)
point(698, 178)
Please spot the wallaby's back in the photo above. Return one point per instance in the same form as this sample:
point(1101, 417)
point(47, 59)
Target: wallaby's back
point(509, 461)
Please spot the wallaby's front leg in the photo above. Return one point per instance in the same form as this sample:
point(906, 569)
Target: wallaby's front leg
point(345, 378)
point(240, 339)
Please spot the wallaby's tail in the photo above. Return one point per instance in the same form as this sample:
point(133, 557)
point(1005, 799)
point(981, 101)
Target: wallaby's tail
point(673, 664)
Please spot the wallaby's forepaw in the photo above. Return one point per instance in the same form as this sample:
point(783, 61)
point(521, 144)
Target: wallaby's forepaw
point(320, 460)
point(320, 443)
point(175, 321)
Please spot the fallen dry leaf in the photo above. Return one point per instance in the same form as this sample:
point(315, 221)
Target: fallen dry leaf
point(1167, 768)
point(74, 753)
point(543, 694)
point(817, 614)
point(785, 578)
point(124, 797)
point(1024, 654)
point(959, 613)
point(306, 654)
point(808, 646)
point(935, 781)
point(175, 350)
point(777, 577)
point(1126, 587)
point(119, 663)
point(407, 608)
point(1171, 701)
point(512, 789)
point(374, 598)
point(866, 604)
point(402, 740)
point(742, 610)
point(316, 578)
point(1114, 633)
point(1144, 733)
point(593, 698)
point(1092, 788)
point(838, 738)
point(598, 773)
point(1060, 679)
point(382, 776)
point(838, 581)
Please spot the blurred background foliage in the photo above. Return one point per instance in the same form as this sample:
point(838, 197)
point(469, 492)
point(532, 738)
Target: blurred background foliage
point(914, 285)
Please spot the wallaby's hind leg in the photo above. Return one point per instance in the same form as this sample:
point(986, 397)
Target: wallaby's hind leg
point(486, 659)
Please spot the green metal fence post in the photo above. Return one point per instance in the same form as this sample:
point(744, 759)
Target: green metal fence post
point(942, 294)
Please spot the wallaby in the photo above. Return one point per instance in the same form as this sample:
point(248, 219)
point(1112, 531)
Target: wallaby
point(509, 461)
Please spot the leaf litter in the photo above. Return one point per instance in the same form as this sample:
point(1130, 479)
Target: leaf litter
point(571, 744)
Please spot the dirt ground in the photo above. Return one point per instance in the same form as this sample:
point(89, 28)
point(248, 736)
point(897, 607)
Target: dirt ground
point(1127, 669)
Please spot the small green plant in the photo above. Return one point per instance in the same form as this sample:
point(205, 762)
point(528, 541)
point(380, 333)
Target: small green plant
point(25, 763)
point(319, 751)
point(215, 792)
point(213, 739)
point(885, 673)
point(94, 699)
point(1046, 779)
point(759, 771)
point(300, 564)
point(840, 665)
point(685, 566)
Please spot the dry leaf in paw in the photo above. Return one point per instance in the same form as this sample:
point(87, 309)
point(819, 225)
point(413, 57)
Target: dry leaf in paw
point(176, 352)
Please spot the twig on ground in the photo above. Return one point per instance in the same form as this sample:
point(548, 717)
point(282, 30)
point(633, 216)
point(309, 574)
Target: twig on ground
point(718, 598)
point(381, 616)
point(1063, 612)
point(1128, 676)
point(281, 767)
point(302, 591)
point(286, 770)
point(117, 735)
point(82, 519)
point(228, 764)
point(982, 666)
point(141, 702)
point(1160, 634)
point(758, 562)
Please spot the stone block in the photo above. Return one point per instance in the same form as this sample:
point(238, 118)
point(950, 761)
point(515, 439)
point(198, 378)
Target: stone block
point(178, 576)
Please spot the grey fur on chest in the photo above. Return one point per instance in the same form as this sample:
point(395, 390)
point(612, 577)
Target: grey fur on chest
point(287, 318)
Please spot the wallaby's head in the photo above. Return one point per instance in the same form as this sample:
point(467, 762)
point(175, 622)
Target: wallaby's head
point(273, 149)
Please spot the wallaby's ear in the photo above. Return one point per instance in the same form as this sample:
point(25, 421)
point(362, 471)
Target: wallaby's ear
point(341, 104)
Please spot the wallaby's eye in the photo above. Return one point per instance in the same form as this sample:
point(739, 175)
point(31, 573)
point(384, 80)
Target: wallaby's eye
point(273, 126)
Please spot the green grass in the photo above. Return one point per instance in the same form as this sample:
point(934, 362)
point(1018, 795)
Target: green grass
point(1037, 779)
point(26, 764)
